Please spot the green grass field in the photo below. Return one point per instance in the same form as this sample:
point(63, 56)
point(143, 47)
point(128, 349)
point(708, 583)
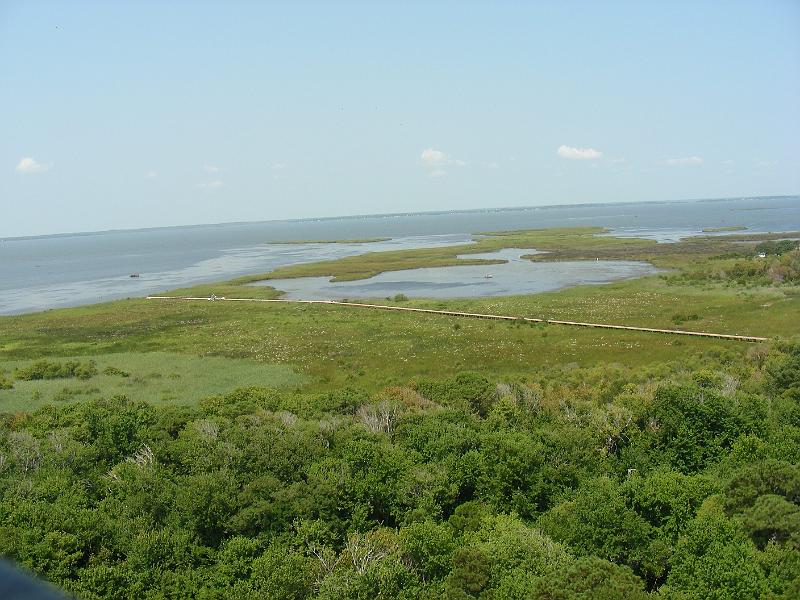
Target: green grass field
point(219, 346)
point(157, 377)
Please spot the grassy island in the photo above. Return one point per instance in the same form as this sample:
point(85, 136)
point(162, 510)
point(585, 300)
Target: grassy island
point(724, 229)
point(353, 241)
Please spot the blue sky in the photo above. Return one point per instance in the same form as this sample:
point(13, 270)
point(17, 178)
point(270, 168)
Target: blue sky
point(136, 114)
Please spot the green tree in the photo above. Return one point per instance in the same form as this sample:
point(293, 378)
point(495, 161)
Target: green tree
point(282, 574)
point(694, 427)
point(511, 545)
point(429, 548)
point(715, 559)
point(590, 578)
point(470, 575)
point(599, 521)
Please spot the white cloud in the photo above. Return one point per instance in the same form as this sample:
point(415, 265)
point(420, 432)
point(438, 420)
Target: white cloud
point(151, 174)
point(211, 185)
point(431, 157)
point(437, 173)
point(278, 166)
point(765, 164)
point(436, 159)
point(29, 165)
point(211, 169)
point(684, 161)
point(578, 153)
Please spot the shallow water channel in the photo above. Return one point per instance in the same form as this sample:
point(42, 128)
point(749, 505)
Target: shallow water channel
point(514, 277)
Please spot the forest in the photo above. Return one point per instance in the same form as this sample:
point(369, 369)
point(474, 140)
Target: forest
point(677, 481)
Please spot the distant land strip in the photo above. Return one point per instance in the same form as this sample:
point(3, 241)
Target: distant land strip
point(452, 313)
point(371, 240)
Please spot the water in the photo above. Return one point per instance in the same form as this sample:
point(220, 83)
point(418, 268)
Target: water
point(517, 276)
point(54, 271)
point(76, 276)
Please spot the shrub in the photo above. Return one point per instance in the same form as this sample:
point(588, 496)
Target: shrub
point(467, 389)
point(777, 247)
point(115, 371)
point(45, 369)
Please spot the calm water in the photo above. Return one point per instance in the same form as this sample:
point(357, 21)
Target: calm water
point(517, 276)
point(55, 271)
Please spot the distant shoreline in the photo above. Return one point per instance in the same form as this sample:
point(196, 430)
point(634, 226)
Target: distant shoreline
point(394, 214)
point(724, 229)
point(355, 241)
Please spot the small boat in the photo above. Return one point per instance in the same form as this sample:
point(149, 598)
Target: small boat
point(134, 275)
point(488, 276)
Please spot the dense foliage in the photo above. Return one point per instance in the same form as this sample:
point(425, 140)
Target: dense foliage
point(777, 247)
point(780, 266)
point(46, 369)
point(571, 483)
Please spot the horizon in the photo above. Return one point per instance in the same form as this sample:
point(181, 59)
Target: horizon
point(393, 214)
point(130, 116)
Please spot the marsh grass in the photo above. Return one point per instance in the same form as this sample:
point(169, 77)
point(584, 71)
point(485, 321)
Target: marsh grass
point(334, 346)
point(337, 346)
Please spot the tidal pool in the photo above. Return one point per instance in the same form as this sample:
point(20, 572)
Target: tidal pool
point(514, 277)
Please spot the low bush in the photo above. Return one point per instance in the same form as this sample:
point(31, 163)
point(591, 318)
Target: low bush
point(115, 371)
point(45, 369)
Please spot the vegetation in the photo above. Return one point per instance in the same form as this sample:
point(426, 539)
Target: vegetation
point(45, 369)
point(5, 383)
point(255, 450)
point(777, 247)
point(780, 266)
point(571, 483)
point(155, 377)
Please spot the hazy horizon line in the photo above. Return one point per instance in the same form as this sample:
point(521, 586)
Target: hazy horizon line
point(384, 215)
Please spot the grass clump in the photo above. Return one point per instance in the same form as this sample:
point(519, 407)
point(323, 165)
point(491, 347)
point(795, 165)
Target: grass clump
point(680, 319)
point(70, 393)
point(114, 371)
point(45, 369)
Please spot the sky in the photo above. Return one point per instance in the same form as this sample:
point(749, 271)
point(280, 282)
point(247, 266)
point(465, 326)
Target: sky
point(117, 115)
